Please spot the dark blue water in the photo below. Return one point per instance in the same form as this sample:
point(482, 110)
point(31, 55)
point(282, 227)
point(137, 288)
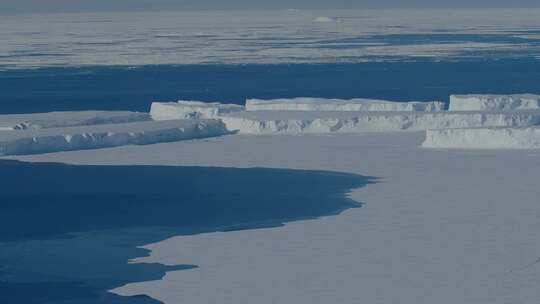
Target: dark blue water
point(118, 88)
point(67, 232)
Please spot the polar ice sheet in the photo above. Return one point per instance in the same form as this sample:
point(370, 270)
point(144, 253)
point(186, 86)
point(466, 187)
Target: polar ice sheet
point(286, 36)
point(356, 104)
point(305, 122)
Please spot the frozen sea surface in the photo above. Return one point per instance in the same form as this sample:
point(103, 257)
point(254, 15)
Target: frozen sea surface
point(240, 37)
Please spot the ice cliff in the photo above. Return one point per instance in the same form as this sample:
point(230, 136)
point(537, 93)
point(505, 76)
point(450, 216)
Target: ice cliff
point(102, 136)
point(357, 104)
point(494, 102)
point(191, 110)
point(484, 138)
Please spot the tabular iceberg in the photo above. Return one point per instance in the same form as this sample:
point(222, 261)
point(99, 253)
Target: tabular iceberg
point(484, 138)
point(494, 102)
point(357, 104)
point(68, 119)
point(102, 136)
point(191, 109)
point(301, 122)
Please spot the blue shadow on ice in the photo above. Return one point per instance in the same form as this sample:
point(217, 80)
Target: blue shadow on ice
point(67, 231)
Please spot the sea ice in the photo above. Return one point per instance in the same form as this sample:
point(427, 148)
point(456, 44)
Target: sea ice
point(357, 104)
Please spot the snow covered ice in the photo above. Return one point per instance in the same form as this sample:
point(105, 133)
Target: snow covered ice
point(300, 122)
point(484, 138)
point(68, 119)
point(357, 104)
point(102, 136)
point(477, 102)
point(191, 109)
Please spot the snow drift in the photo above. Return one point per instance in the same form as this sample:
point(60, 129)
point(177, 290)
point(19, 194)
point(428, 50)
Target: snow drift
point(300, 122)
point(484, 138)
point(191, 109)
point(494, 102)
point(102, 136)
point(68, 119)
point(357, 104)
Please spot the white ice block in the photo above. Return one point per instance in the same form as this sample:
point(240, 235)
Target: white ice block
point(324, 104)
point(191, 109)
point(494, 102)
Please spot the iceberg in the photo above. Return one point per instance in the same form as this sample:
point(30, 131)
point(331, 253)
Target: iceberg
point(306, 122)
point(484, 138)
point(184, 109)
point(103, 136)
point(357, 104)
point(514, 102)
point(68, 119)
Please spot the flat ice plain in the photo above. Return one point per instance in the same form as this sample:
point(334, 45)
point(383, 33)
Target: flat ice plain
point(439, 227)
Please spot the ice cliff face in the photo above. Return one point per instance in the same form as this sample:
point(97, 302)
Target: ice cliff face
point(323, 104)
point(68, 119)
point(484, 138)
point(103, 136)
point(483, 121)
point(494, 102)
point(191, 110)
point(299, 122)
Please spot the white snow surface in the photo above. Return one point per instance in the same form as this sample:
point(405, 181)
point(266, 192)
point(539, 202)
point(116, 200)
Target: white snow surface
point(484, 138)
point(440, 226)
point(68, 119)
point(102, 136)
point(184, 109)
point(356, 104)
point(479, 102)
point(305, 122)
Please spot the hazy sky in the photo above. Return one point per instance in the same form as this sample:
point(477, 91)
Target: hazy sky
point(124, 5)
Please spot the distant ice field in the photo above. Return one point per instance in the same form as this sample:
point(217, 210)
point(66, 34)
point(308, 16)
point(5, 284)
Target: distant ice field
point(266, 37)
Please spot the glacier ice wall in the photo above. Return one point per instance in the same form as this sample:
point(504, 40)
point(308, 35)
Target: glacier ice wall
point(82, 138)
point(357, 104)
point(484, 138)
point(184, 109)
point(478, 102)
